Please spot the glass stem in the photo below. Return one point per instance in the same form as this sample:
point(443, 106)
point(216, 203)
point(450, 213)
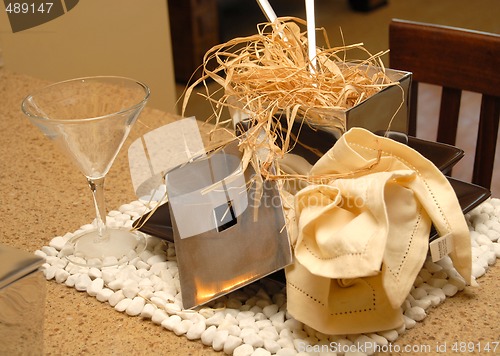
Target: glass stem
point(97, 188)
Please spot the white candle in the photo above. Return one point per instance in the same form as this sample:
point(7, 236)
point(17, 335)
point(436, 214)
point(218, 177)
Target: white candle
point(266, 8)
point(311, 33)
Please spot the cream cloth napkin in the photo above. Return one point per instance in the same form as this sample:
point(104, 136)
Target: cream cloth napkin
point(361, 239)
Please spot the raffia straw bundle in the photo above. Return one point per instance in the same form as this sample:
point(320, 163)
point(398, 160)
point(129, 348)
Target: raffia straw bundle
point(268, 77)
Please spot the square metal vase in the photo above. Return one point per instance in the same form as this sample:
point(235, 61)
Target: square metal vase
point(228, 230)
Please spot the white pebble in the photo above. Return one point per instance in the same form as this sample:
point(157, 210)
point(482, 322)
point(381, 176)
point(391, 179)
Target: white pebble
point(182, 327)
point(95, 273)
point(135, 307)
point(253, 340)
point(95, 287)
point(104, 294)
point(140, 264)
point(108, 274)
point(496, 249)
point(158, 316)
point(423, 303)
point(159, 266)
point(269, 333)
point(450, 290)
point(115, 298)
point(401, 329)
point(406, 304)
point(477, 270)
point(207, 337)
point(243, 350)
point(171, 322)
point(82, 283)
point(172, 308)
point(50, 272)
point(247, 331)
point(130, 288)
point(286, 352)
point(156, 259)
point(432, 267)
point(231, 344)
point(272, 346)
point(437, 282)
point(483, 239)
point(216, 319)
point(490, 257)
point(438, 293)
point(123, 304)
point(148, 311)
point(195, 331)
point(434, 300)
point(493, 235)
point(50, 251)
point(261, 352)
point(126, 207)
point(390, 335)
point(458, 282)
point(262, 303)
point(40, 253)
point(278, 318)
point(61, 275)
point(71, 280)
point(270, 310)
point(481, 228)
point(379, 339)
point(279, 299)
point(409, 322)
point(445, 262)
point(248, 323)
point(418, 281)
point(56, 261)
point(425, 275)
point(109, 261)
point(220, 338)
point(495, 225)
point(145, 255)
point(116, 284)
point(293, 324)
point(159, 302)
point(58, 242)
point(113, 213)
point(264, 323)
point(286, 343)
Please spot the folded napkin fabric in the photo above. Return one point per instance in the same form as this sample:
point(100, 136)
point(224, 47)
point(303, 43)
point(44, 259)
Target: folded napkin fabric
point(361, 238)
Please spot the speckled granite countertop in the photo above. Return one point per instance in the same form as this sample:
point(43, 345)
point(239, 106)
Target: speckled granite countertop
point(43, 196)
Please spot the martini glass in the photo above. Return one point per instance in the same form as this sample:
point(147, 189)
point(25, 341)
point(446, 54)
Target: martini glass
point(89, 119)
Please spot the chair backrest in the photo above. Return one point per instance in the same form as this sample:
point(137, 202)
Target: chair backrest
point(455, 59)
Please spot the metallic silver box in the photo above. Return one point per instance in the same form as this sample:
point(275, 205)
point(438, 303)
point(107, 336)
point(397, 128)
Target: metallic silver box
point(22, 302)
point(376, 112)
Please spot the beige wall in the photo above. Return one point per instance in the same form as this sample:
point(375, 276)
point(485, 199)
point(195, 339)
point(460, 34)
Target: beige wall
point(98, 37)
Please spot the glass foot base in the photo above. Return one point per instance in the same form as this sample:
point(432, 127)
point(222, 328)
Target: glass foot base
point(89, 250)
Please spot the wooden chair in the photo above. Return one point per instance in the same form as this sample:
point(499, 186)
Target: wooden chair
point(455, 59)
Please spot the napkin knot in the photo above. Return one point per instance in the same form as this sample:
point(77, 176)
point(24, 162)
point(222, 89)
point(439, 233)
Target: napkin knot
point(361, 240)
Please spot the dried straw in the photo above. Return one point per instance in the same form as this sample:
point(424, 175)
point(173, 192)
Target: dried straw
point(267, 77)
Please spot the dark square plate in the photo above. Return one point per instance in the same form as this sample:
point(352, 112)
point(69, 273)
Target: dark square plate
point(442, 155)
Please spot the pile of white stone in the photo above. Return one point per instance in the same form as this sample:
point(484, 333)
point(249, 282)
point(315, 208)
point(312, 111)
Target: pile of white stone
point(253, 320)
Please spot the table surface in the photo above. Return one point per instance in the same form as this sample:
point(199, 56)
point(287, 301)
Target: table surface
point(43, 196)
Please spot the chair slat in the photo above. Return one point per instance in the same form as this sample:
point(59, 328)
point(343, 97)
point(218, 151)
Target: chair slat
point(448, 115)
point(486, 141)
point(457, 60)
